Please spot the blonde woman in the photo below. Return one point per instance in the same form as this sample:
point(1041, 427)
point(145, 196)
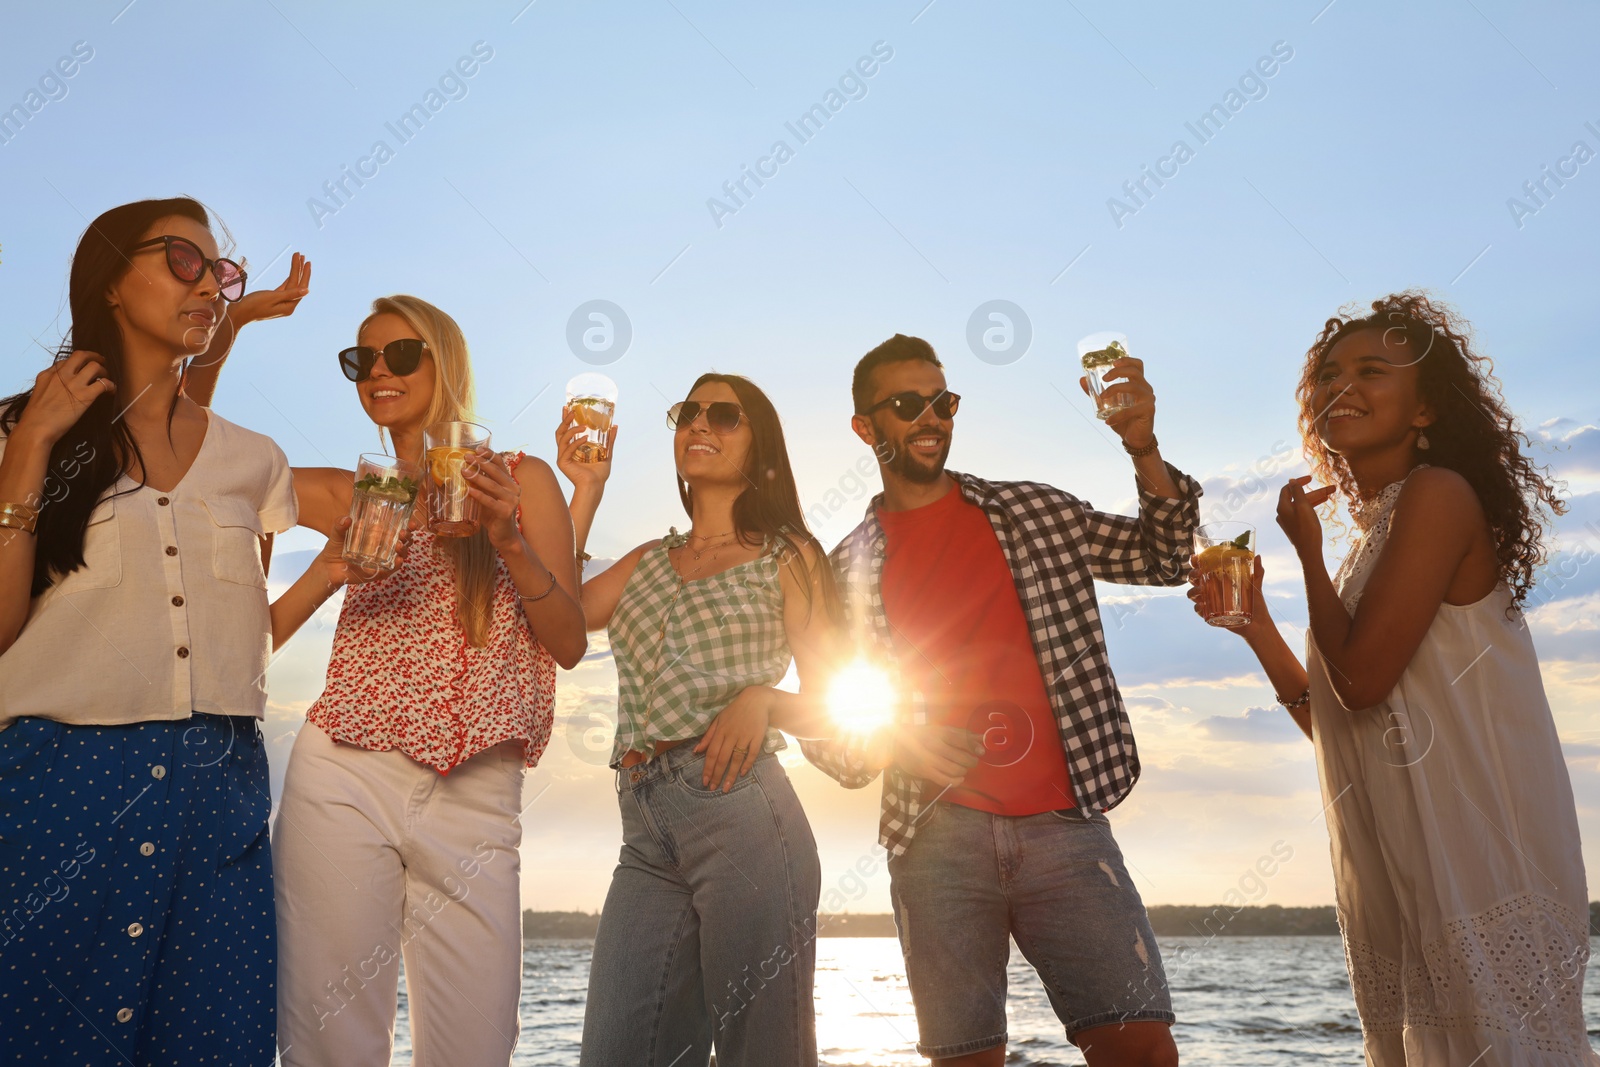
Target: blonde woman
point(398, 828)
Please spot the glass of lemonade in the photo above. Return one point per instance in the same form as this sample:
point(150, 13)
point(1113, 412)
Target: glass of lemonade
point(385, 492)
point(593, 400)
point(1098, 352)
point(1225, 556)
point(448, 447)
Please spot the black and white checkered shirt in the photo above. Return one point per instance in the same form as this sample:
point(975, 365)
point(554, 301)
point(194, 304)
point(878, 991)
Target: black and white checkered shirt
point(1057, 547)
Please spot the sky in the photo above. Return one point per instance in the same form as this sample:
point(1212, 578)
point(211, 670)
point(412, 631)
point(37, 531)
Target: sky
point(998, 179)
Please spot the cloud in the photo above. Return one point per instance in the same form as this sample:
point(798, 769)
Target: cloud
point(1574, 448)
point(1201, 777)
point(1256, 725)
point(1583, 752)
point(1567, 615)
point(1230, 681)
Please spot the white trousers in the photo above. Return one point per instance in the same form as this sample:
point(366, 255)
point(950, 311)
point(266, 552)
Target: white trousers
point(378, 858)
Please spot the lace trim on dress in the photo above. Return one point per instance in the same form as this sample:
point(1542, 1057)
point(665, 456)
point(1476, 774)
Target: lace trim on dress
point(1372, 520)
point(1515, 969)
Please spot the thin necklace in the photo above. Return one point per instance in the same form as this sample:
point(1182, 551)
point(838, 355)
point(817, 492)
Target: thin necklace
point(706, 543)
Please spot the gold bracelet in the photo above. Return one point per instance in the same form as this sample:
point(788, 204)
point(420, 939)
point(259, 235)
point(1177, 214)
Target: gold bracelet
point(19, 517)
point(541, 596)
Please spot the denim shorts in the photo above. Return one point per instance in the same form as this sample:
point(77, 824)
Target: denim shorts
point(971, 881)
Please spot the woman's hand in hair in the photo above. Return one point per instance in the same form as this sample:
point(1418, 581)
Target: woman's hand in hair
point(584, 474)
point(497, 494)
point(735, 736)
point(62, 392)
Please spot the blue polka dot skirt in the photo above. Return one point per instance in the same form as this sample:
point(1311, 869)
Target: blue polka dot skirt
point(136, 878)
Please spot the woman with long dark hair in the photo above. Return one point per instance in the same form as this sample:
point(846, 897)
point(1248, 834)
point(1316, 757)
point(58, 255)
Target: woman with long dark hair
point(134, 636)
point(1456, 856)
point(707, 938)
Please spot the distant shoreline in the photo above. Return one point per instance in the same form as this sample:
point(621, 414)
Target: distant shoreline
point(1168, 920)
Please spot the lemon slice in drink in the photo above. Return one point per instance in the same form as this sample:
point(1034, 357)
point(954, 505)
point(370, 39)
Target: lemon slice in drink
point(592, 414)
point(1217, 556)
point(446, 463)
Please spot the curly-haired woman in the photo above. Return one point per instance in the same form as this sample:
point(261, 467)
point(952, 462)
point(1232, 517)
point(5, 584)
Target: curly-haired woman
point(1456, 857)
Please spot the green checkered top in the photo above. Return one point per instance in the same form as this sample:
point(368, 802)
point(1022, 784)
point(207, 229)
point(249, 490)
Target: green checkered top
point(685, 648)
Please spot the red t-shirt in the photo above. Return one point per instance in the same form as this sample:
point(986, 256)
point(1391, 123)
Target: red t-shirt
point(962, 639)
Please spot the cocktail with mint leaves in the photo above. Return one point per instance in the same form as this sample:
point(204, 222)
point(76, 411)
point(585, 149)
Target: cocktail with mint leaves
point(385, 492)
point(1098, 353)
point(1225, 558)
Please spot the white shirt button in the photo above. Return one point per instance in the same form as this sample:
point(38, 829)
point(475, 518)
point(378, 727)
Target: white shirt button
point(135, 929)
point(124, 1015)
point(147, 849)
point(158, 771)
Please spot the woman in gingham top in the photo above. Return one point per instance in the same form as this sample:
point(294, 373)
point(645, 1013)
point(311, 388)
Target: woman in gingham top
point(707, 936)
point(134, 636)
point(398, 831)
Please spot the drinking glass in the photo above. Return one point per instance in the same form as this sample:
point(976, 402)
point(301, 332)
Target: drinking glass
point(385, 492)
point(1225, 558)
point(593, 400)
point(1097, 352)
point(451, 445)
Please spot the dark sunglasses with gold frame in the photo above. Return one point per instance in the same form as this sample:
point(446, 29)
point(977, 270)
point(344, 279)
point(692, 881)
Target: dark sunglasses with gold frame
point(401, 357)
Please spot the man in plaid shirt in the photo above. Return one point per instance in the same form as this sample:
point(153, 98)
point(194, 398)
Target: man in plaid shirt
point(1011, 739)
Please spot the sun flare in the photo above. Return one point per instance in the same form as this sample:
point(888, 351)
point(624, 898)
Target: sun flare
point(861, 698)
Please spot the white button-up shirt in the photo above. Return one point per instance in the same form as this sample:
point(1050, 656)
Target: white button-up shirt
point(169, 615)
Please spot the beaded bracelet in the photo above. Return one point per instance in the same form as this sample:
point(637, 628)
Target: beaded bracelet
point(1298, 702)
point(1137, 452)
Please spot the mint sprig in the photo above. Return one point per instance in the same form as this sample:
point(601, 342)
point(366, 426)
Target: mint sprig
point(402, 489)
point(1104, 357)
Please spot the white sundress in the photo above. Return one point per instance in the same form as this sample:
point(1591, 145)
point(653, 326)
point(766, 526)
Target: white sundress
point(1456, 858)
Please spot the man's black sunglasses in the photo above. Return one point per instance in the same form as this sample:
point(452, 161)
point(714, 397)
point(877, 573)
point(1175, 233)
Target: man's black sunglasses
point(401, 357)
point(908, 407)
point(721, 415)
point(188, 264)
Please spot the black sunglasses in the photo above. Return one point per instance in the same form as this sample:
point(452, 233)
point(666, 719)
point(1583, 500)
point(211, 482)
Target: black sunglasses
point(721, 415)
point(908, 407)
point(188, 264)
point(401, 357)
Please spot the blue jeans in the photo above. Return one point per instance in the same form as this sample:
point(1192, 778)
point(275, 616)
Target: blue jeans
point(972, 881)
point(708, 936)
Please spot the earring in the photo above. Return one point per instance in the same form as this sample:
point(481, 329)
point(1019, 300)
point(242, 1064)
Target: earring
point(1422, 441)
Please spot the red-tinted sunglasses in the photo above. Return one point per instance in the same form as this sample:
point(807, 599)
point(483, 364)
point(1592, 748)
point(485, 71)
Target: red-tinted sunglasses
point(188, 264)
